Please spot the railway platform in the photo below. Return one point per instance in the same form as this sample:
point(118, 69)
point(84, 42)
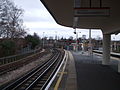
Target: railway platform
point(66, 76)
point(82, 71)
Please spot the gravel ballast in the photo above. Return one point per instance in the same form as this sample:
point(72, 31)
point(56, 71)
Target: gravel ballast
point(12, 75)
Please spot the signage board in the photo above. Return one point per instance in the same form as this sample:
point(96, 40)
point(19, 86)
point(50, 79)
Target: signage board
point(91, 12)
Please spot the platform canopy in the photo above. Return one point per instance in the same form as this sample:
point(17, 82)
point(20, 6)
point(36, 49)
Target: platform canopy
point(86, 14)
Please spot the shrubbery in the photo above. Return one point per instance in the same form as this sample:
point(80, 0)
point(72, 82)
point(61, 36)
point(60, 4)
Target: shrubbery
point(7, 47)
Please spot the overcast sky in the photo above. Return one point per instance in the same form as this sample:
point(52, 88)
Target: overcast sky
point(38, 20)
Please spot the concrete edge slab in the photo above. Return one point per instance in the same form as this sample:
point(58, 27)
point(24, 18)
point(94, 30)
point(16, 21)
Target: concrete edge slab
point(71, 79)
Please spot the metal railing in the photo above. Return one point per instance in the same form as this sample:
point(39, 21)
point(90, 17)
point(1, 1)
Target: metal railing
point(16, 57)
point(117, 55)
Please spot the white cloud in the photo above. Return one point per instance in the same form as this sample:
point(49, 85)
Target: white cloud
point(38, 20)
point(41, 25)
point(115, 37)
point(39, 15)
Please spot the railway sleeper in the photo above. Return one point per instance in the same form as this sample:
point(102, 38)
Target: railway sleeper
point(39, 85)
point(30, 81)
point(32, 78)
point(36, 88)
point(27, 84)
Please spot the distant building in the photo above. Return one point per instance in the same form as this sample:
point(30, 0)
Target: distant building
point(83, 36)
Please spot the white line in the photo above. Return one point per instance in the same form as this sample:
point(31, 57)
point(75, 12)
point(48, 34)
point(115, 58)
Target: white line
point(49, 84)
point(61, 75)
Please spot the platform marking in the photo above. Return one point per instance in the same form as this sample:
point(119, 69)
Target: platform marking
point(62, 72)
point(61, 75)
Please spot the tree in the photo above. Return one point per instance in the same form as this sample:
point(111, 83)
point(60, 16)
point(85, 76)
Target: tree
point(11, 26)
point(33, 40)
point(11, 22)
point(71, 37)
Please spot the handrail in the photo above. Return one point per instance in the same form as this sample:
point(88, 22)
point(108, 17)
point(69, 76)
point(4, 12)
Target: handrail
point(8, 59)
point(112, 53)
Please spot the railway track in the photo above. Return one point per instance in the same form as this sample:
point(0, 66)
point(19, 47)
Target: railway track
point(38, 78)
point(16, 64)
point(117, 55)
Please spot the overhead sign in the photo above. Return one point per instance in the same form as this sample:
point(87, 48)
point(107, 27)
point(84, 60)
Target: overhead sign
point(91, 12)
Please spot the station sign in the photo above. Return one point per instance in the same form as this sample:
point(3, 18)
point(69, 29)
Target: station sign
point(92, 12)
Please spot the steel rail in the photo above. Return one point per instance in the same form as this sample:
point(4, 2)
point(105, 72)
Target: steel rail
point(33, 84)
point(53, 73)
point(22, 80)
point(33, 75)
point(16, 64)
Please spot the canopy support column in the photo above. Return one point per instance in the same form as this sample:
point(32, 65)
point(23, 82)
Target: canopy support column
point(106, 49)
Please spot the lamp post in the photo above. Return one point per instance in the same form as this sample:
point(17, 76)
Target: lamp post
point(55, 38)
point(75, 32)
point(56, 35)
point(43, 39)
point(77, 37)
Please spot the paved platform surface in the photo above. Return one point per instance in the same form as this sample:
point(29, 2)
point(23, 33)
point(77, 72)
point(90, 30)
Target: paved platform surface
point(84, 72)
point(71, 79)
point(66, 77)
point(92, 75)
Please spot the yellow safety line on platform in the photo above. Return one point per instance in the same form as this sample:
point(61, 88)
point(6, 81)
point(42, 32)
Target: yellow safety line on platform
point(61, 75)
point(62, 72)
